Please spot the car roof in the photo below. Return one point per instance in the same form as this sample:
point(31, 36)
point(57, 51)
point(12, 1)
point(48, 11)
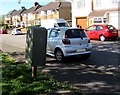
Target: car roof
point(102, 24)
point(65, 28)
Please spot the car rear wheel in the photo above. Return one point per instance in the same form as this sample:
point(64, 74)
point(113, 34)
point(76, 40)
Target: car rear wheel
point(102, 38)
point(59, 55)
point(85, 56)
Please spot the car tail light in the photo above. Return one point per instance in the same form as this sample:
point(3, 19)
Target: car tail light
point(66, 41)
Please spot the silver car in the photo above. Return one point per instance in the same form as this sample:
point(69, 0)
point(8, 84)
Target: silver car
point(16, 31)
point(66, 41)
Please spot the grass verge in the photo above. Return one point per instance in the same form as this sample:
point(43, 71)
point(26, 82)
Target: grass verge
point(17, 80)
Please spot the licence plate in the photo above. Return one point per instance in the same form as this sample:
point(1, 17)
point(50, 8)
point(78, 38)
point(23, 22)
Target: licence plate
point(81, 50)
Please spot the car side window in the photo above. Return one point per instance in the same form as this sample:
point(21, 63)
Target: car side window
point(99, 28)
point(48, 32)
point(92, 28)
point(54, 33)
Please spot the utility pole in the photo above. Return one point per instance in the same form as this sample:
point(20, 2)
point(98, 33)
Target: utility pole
point(92, 5)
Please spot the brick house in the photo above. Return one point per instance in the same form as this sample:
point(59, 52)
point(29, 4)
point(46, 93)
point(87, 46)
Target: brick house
point(55, 10)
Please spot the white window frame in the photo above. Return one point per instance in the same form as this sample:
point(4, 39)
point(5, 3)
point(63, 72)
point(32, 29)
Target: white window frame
point(81, 4)
point(43, 13)
point(98, 3)
point(98, 20)
point(49, 12)
point(115, 1)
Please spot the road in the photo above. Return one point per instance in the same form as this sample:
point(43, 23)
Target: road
point(98, 74)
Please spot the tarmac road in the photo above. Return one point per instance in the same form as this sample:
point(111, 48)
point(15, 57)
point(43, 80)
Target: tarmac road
point(98, 74)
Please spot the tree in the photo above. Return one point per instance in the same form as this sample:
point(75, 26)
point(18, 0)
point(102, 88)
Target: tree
point(2, 19)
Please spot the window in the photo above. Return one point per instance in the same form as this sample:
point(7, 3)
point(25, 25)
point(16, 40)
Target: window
point(99, 28)
point(105, 20)
point(97, 20)
point(110, 27)
point(43, 13)
point(75, 33)
point(63, 25)
point(54, 11)
point(115, 2)
point(54, 33)
point(98, 3)
point(81, 4)
point(49, 12)
point(92, 28)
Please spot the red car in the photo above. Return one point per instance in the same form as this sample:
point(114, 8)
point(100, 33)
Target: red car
point(101, 32)
point(3, 31)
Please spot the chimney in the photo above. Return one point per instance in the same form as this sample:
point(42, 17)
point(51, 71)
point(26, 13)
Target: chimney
point(36, 4)
point(23, 8)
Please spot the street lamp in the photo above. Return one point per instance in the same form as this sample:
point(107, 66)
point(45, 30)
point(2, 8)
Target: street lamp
point(19, 1)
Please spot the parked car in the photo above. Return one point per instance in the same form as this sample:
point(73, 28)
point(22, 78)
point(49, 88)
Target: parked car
point(57, 22)
point(102, 32)
point(3, 31)
point(16, 31)
point(66, 41)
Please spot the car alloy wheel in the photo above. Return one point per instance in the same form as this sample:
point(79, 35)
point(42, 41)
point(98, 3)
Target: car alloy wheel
point(59, 55)
point(102, 38)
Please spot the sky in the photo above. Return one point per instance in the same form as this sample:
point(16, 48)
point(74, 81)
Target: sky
point(8, 5)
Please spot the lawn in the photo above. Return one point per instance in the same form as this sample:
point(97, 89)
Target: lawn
point(17, 80)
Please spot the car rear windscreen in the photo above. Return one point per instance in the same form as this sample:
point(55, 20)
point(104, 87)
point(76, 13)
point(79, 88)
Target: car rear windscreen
point(62, 24)
point(110, 27)
point(18, 29)
point(75, 33)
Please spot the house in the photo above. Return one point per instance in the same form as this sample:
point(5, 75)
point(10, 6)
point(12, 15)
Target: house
point(55, 10)
point(17, 17)
point(24, 18)
point(33, 16)
point(105, 14)
point(88, 12)
point(8, 17)
point(80, 12)
point(29, 15)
